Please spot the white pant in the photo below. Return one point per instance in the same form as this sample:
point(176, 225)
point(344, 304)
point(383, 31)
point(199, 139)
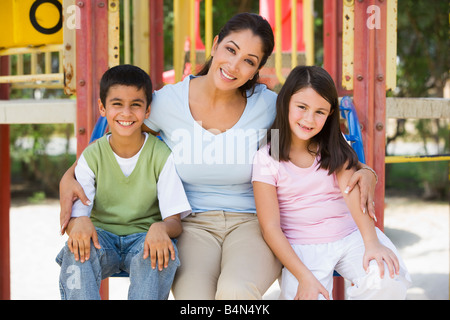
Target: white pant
point(346, 257)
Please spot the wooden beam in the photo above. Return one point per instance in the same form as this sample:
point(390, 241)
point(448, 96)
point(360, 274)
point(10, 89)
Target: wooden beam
point(38, 111)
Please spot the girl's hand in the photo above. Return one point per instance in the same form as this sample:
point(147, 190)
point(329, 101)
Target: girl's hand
point(309, 288)
point(376, 251)
point(158, 246)
point(367, 182)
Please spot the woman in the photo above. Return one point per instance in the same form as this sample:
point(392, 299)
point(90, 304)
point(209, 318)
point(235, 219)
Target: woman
point(214, 123)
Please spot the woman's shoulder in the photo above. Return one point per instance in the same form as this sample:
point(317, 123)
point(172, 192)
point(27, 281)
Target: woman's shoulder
point(263, 91)
point(170, 97)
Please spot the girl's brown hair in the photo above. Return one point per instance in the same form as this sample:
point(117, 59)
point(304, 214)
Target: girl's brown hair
point(333, 149)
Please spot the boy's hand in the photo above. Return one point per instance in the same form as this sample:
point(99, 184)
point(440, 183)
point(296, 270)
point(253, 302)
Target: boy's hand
point(376, 251)
point(80, 231)
point(158, 246)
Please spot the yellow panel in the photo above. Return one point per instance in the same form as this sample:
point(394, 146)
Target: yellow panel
point(30, 22)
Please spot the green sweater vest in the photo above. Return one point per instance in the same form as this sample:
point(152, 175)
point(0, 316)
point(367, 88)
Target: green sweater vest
point(126, 205)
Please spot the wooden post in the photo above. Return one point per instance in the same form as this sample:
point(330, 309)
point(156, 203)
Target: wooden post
point(5, 194)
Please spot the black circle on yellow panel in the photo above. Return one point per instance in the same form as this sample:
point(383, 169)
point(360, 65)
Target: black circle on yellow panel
point(34, 21)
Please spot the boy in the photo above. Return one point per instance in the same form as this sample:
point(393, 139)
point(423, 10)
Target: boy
point(137, 200)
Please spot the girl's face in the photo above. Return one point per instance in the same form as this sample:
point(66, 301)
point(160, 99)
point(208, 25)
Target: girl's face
point(308, 112)
point(236, 59)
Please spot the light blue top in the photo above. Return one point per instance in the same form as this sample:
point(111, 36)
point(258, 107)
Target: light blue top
point(215, 169)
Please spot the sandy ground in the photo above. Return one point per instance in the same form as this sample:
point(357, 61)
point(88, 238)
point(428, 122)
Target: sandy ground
point(419, 229)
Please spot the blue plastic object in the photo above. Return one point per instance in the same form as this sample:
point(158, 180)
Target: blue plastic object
point(99, 129)
point(348, 112)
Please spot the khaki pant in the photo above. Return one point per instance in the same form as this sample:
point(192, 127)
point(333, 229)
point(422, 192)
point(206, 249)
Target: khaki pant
point(223, 256)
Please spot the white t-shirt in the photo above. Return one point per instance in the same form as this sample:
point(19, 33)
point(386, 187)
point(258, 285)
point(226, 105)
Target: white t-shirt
point(171, 196)
point(215, 169)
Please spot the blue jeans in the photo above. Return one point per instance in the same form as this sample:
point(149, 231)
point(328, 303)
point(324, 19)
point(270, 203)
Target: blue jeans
point(81, 281)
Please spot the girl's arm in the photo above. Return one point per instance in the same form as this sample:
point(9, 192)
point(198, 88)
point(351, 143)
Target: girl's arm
point(269, 218)
point(366, 179)
point(373, 248)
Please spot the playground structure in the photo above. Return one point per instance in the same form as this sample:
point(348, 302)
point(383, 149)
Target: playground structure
point(359, 53)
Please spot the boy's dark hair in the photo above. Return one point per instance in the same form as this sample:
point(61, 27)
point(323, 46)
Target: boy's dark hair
point(333, 151)
point(261, 28)
point(126, 75)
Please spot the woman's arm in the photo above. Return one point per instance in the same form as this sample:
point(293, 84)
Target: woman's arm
point(366, 178)
point(269, 218)
point(373, 248)
point(69, 191)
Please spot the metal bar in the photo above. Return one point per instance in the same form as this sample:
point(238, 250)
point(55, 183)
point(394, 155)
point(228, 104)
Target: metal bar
point(32, 78)
point(308, 30)
point(126, 32)
point(294, 33)
point(5, 197)
point(418, 108)
point(278, 38)
point(426, 158)
point(330, 36)
point(23, 50)
point(192, 37)
point(70, 12)
point(379, 111)
point(391, 47)
point(208, 28)
point(38, 111)
point(177, 46)
point(92, 62)
point(156, 42)
point(113, 33)
point(141, 34)
point(348, 36)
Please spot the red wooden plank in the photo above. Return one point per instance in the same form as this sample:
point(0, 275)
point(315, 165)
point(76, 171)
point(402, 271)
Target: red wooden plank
point(379, 134)
point(92, 62)
point(5, 194)
point(156, 43)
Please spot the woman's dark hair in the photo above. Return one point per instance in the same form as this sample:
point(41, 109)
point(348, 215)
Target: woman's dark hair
point(333, 149)
point(127, 75)
point(261, 28)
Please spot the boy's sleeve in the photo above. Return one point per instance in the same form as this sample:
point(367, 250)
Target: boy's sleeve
point(171, 195)
point(265, 169)
point(85, 176)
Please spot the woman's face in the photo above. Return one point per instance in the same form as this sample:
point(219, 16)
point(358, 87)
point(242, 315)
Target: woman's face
point(236, 59)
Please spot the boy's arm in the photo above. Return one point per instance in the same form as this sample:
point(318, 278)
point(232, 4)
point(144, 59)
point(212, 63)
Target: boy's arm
point(158, 243)
point(171, 194)
point(366, 225)
point(80, 228)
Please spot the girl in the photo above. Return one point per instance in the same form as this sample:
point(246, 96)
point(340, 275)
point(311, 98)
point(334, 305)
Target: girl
point(307, 217)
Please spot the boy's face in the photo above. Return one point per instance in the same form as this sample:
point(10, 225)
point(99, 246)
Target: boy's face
point(125, 110)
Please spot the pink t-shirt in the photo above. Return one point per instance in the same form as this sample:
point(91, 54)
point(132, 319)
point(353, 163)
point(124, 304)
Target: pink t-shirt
point(312, 208)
